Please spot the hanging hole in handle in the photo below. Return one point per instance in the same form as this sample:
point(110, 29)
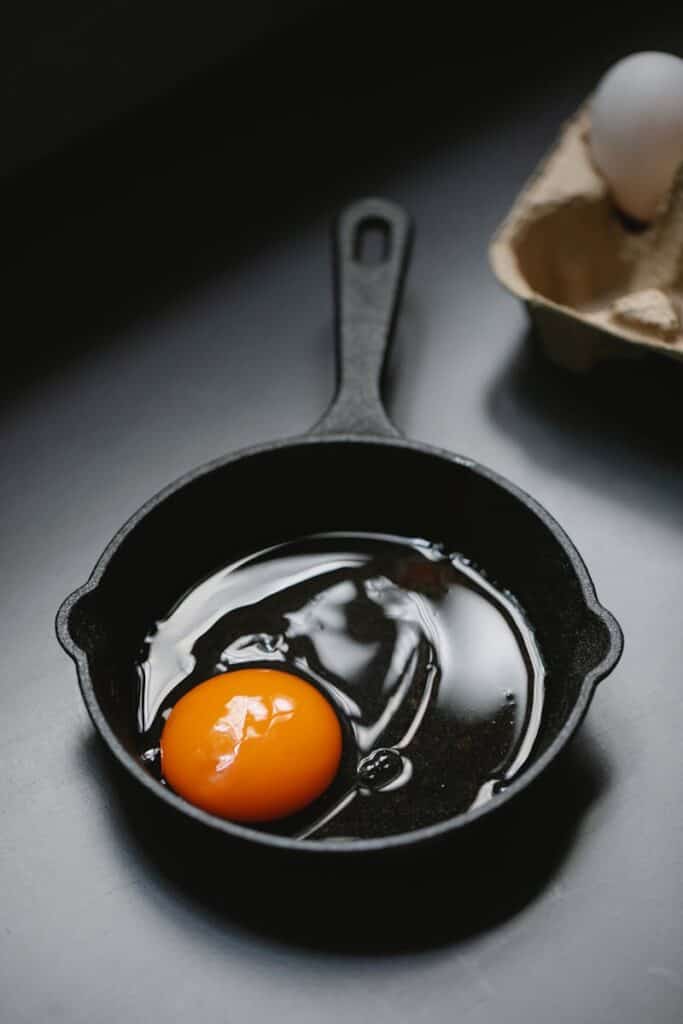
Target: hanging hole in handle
point(372, 242)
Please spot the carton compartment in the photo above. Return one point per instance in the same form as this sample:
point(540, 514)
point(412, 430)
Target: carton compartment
point(565, 250)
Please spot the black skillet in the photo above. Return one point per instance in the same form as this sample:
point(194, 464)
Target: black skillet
point(360, 475)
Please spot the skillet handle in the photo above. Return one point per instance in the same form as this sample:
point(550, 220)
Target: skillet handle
point(371, 254)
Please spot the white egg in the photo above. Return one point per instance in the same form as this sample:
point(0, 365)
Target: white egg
point(636, 132)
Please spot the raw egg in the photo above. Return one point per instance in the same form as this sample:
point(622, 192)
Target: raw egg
point(637, 130)
point(431, 674)
point(255, 744)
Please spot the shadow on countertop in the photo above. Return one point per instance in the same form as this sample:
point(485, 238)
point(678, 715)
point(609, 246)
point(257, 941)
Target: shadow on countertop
point(625, 414)
point(151, 207)
point(403, 903)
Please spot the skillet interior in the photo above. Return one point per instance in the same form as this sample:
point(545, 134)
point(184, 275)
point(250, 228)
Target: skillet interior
point(343, 484)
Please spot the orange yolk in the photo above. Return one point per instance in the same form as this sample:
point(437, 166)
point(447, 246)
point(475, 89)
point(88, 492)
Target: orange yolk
point(251, 745)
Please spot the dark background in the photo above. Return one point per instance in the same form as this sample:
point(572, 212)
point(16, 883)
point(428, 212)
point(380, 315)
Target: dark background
point(167, 298)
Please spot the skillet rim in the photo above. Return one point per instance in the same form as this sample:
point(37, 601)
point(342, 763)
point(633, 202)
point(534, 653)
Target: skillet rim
point(329, 847)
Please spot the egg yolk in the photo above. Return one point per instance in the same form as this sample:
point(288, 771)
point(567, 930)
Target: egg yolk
point(251, 745)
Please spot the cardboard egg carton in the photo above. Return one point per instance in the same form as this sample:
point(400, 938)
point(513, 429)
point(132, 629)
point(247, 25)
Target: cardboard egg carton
point(593, 286)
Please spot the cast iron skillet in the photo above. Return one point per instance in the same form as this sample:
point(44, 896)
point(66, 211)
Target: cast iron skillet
point(352, 472)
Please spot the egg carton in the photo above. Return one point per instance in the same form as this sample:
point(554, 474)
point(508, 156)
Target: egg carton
point(595, 286)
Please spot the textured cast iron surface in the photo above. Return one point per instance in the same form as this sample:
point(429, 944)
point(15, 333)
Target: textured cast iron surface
point(360, 476)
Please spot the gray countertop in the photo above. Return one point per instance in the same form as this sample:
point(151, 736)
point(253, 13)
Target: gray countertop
point(171, 307)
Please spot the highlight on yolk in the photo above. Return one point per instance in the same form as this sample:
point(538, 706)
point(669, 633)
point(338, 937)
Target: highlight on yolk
point(251, 745)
